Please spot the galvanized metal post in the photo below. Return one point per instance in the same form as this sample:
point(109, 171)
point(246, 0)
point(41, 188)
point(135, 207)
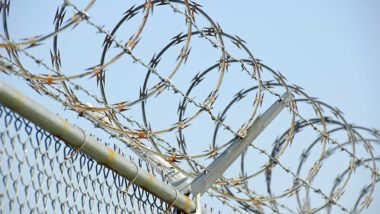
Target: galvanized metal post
point(216, 169)
point(78, 139)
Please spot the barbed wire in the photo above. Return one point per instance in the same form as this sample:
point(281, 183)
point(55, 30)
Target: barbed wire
point(113, 118)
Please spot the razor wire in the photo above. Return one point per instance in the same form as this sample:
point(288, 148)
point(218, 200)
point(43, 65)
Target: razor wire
point(327, 122)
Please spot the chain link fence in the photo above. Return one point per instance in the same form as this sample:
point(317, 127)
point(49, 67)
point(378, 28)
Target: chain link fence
point(41, 174)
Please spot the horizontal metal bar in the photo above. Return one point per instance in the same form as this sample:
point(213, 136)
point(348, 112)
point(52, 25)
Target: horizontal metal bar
point(216, 169)
point(173, 176)
point(77, 138)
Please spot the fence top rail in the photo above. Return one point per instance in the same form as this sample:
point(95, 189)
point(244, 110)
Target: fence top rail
point(77, 138)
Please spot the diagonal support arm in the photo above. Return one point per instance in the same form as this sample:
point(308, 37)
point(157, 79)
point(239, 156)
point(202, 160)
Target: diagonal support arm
point(216, 169)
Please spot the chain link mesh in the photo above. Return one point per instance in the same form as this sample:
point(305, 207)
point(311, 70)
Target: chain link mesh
point(41, 174)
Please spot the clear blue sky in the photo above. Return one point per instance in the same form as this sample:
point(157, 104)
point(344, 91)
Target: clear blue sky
point(330, 48)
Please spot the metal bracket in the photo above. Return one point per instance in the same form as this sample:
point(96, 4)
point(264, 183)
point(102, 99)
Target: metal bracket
point(216, 169)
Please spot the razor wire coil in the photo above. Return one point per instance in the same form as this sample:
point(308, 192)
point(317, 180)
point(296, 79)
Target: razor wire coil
point(326, 121)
